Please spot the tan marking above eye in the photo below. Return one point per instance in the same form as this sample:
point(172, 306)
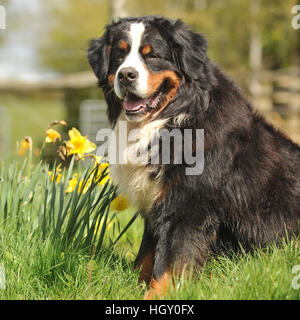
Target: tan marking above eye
point(146, 49)
point(111, 79)
point(123, 45)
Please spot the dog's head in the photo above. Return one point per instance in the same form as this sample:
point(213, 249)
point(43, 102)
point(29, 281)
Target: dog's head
point(141, 62)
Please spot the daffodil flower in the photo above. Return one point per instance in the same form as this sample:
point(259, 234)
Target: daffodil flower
point(101, 167)
point(60, 122)
point(52, 136)
point(25, 144)
point(120, 203)
point(73, 183)
point(98, 159)
point(58, 176)
point(78, 144)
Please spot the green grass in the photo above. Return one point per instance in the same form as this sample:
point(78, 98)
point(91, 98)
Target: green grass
point(37, 269)
point(50, 250)
point(267, 274)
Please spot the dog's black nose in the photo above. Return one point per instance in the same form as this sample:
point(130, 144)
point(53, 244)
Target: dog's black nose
point(127, 75)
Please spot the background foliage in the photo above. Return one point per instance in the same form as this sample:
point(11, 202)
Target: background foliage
point(226, 24)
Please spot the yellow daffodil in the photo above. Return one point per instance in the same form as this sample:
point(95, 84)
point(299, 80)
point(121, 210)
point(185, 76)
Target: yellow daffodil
point(86, 186)
point(52, 136)
point(73, 183)
point(78, 144)
point(98, 160)
point(58, 174)
point(60, 122)
point(101, 167)
point(25, 144)
point(120, 203)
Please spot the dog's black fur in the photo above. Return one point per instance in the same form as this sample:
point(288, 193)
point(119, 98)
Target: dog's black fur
point(249, 191)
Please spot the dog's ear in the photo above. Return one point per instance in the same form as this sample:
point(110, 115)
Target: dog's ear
point(99, 57)
point(189, 49)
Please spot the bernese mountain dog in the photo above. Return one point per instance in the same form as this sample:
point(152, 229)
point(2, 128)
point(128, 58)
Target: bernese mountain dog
point(155, 74)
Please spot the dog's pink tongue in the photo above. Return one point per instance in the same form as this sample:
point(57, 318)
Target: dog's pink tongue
point(133, 103)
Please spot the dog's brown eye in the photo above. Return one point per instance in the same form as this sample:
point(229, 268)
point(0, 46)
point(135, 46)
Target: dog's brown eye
point(123, 45)
point(119, 55)
point(146, 50)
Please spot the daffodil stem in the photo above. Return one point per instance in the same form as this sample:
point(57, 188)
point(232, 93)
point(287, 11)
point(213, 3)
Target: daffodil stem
point(42, 151)
point(29, 164)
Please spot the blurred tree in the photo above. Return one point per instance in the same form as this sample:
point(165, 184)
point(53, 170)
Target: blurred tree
point(255, 50)
point(118, 9)
point(231, 27)
point(232, 30)
point(279, 41)
point(71, 24)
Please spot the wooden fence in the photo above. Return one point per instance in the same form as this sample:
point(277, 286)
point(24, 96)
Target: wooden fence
point(279, 100)
point(279, 96)
point(280, 92)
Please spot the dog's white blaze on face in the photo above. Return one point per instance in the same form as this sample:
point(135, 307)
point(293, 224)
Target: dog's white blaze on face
point(134, 60)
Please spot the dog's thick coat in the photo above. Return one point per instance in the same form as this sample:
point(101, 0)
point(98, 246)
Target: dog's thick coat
point(249, 191)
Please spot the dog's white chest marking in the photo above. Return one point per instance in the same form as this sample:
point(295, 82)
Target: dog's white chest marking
point(133, 178)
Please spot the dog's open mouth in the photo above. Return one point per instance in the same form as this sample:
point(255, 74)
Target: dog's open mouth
point(136, 105)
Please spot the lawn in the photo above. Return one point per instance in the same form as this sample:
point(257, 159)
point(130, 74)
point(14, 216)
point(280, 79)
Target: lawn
point(50, 247)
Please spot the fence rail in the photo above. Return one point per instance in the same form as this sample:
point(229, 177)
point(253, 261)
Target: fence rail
point(280, 90)
point(81, 80)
